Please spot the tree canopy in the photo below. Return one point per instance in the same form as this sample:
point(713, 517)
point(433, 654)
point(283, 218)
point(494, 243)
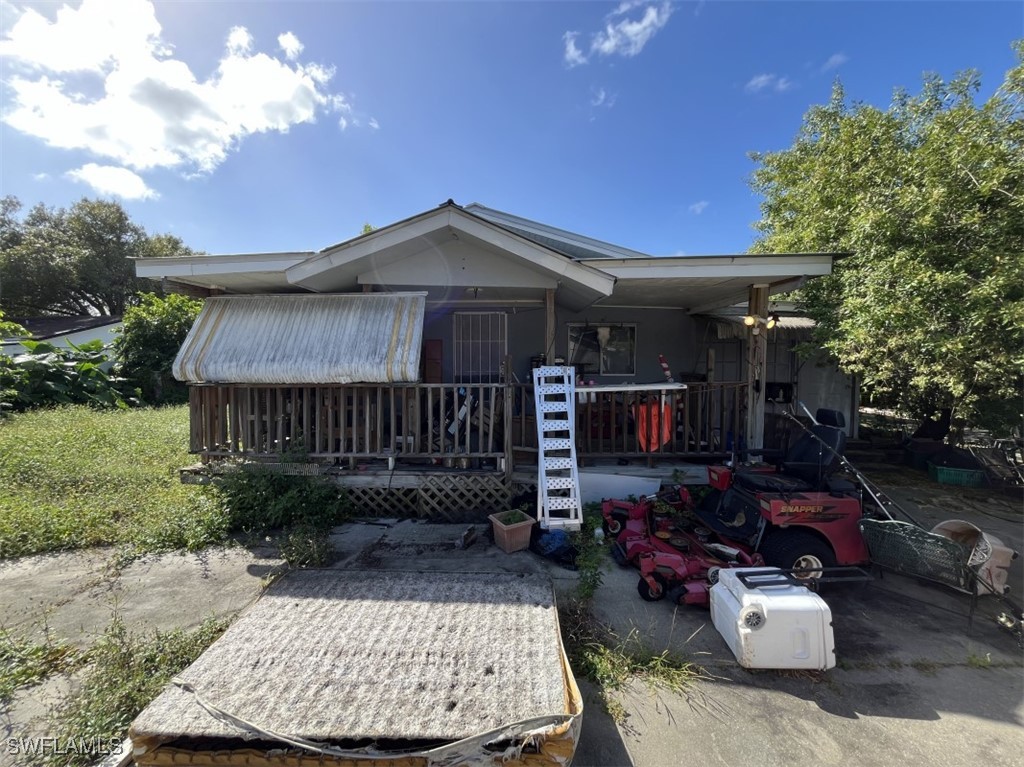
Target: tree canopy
point(149, 340)
point(73, 261)
point(927, 198)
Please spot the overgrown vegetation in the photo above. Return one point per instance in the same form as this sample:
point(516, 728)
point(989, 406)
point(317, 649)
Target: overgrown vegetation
point(611, 662)
point(259, 498)
point(74, 477)
point(48, 375)
point(148, 341)
point(24, 663)
point(927, 197)
point(125, 673)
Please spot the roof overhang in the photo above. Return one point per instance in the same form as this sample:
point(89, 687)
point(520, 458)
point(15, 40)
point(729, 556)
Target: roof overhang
point(701, 283)
point(239, 273)
point(449, 247)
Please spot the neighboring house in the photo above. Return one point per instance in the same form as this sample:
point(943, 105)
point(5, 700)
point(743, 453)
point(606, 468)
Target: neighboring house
point(413, 344)
point(62, 331)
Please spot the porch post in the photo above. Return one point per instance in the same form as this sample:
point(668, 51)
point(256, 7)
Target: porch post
point(549, 325)
point(757, 344)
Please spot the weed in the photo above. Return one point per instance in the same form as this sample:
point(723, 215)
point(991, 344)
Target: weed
point(126, 672)
point(610, 662)
point(979, 661)
point(307, 545)
point(24, 663)
point(590, 557)
point(75, 477)
point(925, 666)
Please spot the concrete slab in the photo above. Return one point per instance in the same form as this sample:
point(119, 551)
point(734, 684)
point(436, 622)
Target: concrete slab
point(76, 594)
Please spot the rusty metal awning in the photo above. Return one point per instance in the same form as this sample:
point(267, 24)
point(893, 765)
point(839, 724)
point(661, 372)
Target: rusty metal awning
point(305, 339)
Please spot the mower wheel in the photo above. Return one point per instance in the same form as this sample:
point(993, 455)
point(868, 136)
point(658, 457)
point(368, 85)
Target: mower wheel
point(614, 526)
point(790, 549)
point(649, 594)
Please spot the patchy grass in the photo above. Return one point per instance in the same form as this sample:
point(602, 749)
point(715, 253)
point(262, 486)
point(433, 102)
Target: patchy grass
point(24, 663)
point(76, 477)
point(126, 672)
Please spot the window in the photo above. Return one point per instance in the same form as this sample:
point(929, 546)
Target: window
point(608, 350)
point(481, 343)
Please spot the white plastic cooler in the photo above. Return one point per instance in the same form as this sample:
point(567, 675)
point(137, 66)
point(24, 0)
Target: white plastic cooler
point(770, 621)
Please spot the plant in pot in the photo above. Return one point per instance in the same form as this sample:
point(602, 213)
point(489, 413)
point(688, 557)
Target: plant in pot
point(512, 529)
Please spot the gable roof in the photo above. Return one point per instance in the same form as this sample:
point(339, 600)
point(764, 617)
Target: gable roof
point(574, 245)
point(510, 257)
point(361, 260)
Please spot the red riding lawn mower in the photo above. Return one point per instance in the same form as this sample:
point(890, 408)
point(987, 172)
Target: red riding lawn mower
point(794, 514)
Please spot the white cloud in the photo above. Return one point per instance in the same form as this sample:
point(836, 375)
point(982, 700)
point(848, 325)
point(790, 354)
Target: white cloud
point(373, 123)
point(699, 207)
point(239, 40)
point(343, 122)
point(624, 34)
point(148, 109)
point(627, 37)
point(764, 82)
point(599, 97)
point(109, 180)
point(835, 61)
point(41, 176)
point(290, 44)
point(573, 55)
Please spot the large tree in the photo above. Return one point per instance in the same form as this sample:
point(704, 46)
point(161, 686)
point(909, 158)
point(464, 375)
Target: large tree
point(927, 198)
point(74, 261)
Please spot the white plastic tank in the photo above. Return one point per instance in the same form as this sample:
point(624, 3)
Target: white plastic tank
point(770, 621)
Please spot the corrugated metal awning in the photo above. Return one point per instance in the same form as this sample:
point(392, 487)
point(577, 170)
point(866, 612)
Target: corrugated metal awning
point(305, 339)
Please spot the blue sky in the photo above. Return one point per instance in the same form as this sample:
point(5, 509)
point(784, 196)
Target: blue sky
point(248, 127)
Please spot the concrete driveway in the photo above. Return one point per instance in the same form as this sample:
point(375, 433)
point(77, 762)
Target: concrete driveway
point(912, 685)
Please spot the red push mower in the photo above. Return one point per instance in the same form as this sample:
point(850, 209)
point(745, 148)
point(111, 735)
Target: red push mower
point(674, 560)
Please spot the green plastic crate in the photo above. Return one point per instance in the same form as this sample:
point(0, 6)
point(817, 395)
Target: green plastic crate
point(962, 477)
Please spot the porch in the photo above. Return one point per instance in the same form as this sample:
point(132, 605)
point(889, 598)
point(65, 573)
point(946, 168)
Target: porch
point(453, 451)
point(481, 426)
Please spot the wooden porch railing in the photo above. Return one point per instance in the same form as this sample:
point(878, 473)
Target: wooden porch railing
point(357, 421)
point(451, 421)
point(702, 420)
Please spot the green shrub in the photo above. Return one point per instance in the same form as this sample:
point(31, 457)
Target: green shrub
point(50, 375)
point(148, 341)
point(259, 498)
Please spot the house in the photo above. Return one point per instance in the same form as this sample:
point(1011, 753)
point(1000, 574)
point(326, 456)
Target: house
point(406, 351)
point(62, 331)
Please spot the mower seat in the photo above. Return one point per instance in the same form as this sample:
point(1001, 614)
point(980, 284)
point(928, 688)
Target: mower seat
point(806, 466)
